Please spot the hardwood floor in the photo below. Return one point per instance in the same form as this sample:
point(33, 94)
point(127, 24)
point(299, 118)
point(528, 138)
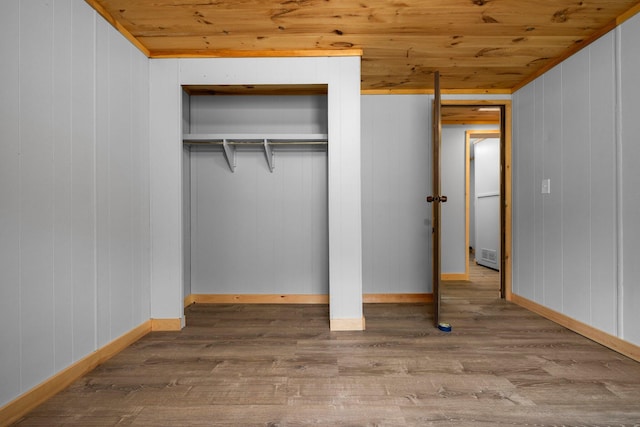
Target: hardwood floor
point(279, 365)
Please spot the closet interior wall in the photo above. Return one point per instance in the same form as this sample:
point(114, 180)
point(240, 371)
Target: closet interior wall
point(253, 230)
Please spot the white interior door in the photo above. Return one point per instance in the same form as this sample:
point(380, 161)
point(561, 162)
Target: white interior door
point(487, 202)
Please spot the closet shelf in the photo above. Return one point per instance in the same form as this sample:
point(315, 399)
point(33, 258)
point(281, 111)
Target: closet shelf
point(229, 143)
point(247, 138)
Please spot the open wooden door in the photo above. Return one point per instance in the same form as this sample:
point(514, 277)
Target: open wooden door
point(435, 199)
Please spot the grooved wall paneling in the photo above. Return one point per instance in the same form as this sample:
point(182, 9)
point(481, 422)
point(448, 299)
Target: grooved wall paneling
point(552, 155)
point(10, 196)
point(524, 199)
point(254, 231)
point(186, 219)
point(186, 197)
point(565, 242)
point(36, 187)
point(575, 188)
point(602, 263)
point(396, 178)
point(74, 217)
point(629, 156)
point(83, 197)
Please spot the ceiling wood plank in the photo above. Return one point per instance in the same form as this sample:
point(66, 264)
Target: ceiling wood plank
point(477, 45)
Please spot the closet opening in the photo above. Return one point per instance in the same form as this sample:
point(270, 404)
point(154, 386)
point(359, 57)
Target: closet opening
point(255, 189)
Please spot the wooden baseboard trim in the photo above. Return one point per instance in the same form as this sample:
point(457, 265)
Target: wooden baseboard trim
point(188, 300)
point(300, 299)
point(357, 324)
point(454, 276)
point(611, 341)
point(259, 298)
point(166, 324)
point(17, 408)
point(396, 298)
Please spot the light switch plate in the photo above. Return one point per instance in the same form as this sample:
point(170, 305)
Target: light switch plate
point(546, 186)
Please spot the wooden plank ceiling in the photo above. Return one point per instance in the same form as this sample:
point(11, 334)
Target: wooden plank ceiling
point(478, 45)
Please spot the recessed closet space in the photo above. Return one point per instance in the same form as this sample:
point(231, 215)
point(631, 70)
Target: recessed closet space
point(255, 209)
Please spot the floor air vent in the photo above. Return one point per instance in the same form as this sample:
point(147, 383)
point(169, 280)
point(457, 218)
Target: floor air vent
point(489, 255)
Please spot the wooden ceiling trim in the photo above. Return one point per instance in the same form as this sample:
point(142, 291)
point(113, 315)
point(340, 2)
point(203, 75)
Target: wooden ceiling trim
point(469, 121)
point(634, 10)
point(403, 47)
point(429, 91)
point(470, 115)
point(476, 102)
point(266, 53)
point(484, 134)
point(95, 4)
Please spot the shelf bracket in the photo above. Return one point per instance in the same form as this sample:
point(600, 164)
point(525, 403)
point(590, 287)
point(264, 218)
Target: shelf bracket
point(269, 154)
point(229, 154)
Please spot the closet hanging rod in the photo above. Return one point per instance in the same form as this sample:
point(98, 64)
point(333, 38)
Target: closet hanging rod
point(244, 143)
point(253, 136)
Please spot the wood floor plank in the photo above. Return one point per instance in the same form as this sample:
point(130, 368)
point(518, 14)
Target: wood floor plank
point(280, 365)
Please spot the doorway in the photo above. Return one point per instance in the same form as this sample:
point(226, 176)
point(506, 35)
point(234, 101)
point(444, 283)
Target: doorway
point(480, 117)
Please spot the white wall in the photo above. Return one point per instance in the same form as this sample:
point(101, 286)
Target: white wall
point(577, 125)
point(396, 178)
point(74, 212)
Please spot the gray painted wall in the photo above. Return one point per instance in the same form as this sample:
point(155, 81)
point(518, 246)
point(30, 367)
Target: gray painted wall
point(74, 179)
point(629, 176)
point(396, 178)
point(186, 219)
point(186, 197)
point(253, 231)
point(257, 232)
point(259, 114)
point(577, 125)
